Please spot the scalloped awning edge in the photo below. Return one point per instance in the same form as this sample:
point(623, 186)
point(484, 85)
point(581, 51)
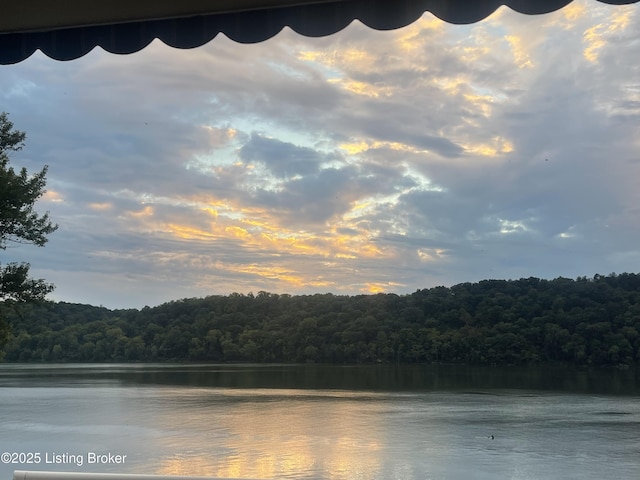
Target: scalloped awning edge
point(258, 21)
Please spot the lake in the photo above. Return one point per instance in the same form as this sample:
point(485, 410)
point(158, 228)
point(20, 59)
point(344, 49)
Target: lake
point(321, 422)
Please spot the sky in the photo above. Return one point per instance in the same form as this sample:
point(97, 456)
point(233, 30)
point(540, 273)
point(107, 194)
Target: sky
point(362, 162)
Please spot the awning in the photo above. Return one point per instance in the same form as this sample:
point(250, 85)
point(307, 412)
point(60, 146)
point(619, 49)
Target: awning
point(70, 29)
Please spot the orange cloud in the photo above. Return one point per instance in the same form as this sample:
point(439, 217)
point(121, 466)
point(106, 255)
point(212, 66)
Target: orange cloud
point(101, 206)
point(145, 212)
point(379, 287)
point(52, 196)
point(521, 56)
point(595, 37)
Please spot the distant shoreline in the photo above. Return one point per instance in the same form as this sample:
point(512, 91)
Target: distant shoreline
point(582, 322)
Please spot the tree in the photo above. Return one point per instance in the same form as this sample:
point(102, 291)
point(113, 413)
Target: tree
point(19, 222)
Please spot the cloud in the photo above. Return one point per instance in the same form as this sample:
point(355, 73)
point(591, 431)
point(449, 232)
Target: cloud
point(359, 162)
point(282, 159)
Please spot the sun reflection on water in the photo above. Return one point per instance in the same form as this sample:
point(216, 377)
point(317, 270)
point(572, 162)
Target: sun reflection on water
point(280, 434)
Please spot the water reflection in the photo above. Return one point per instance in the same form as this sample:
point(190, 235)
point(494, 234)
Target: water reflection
point(307, 422)
point(359, 377)
point(267, 433)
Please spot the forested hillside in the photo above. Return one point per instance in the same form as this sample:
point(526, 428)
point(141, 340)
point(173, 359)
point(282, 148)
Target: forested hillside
point(587, 321)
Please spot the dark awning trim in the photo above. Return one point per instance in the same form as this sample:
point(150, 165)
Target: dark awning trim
point(312, 20)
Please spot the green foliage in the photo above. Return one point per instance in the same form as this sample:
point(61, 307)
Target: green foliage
point(527, 321)
point(16, 284)
point(19, 222)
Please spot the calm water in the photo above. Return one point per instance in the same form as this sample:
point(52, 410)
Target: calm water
point(299, 422)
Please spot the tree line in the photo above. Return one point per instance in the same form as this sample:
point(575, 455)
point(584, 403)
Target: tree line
point(586, 321)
